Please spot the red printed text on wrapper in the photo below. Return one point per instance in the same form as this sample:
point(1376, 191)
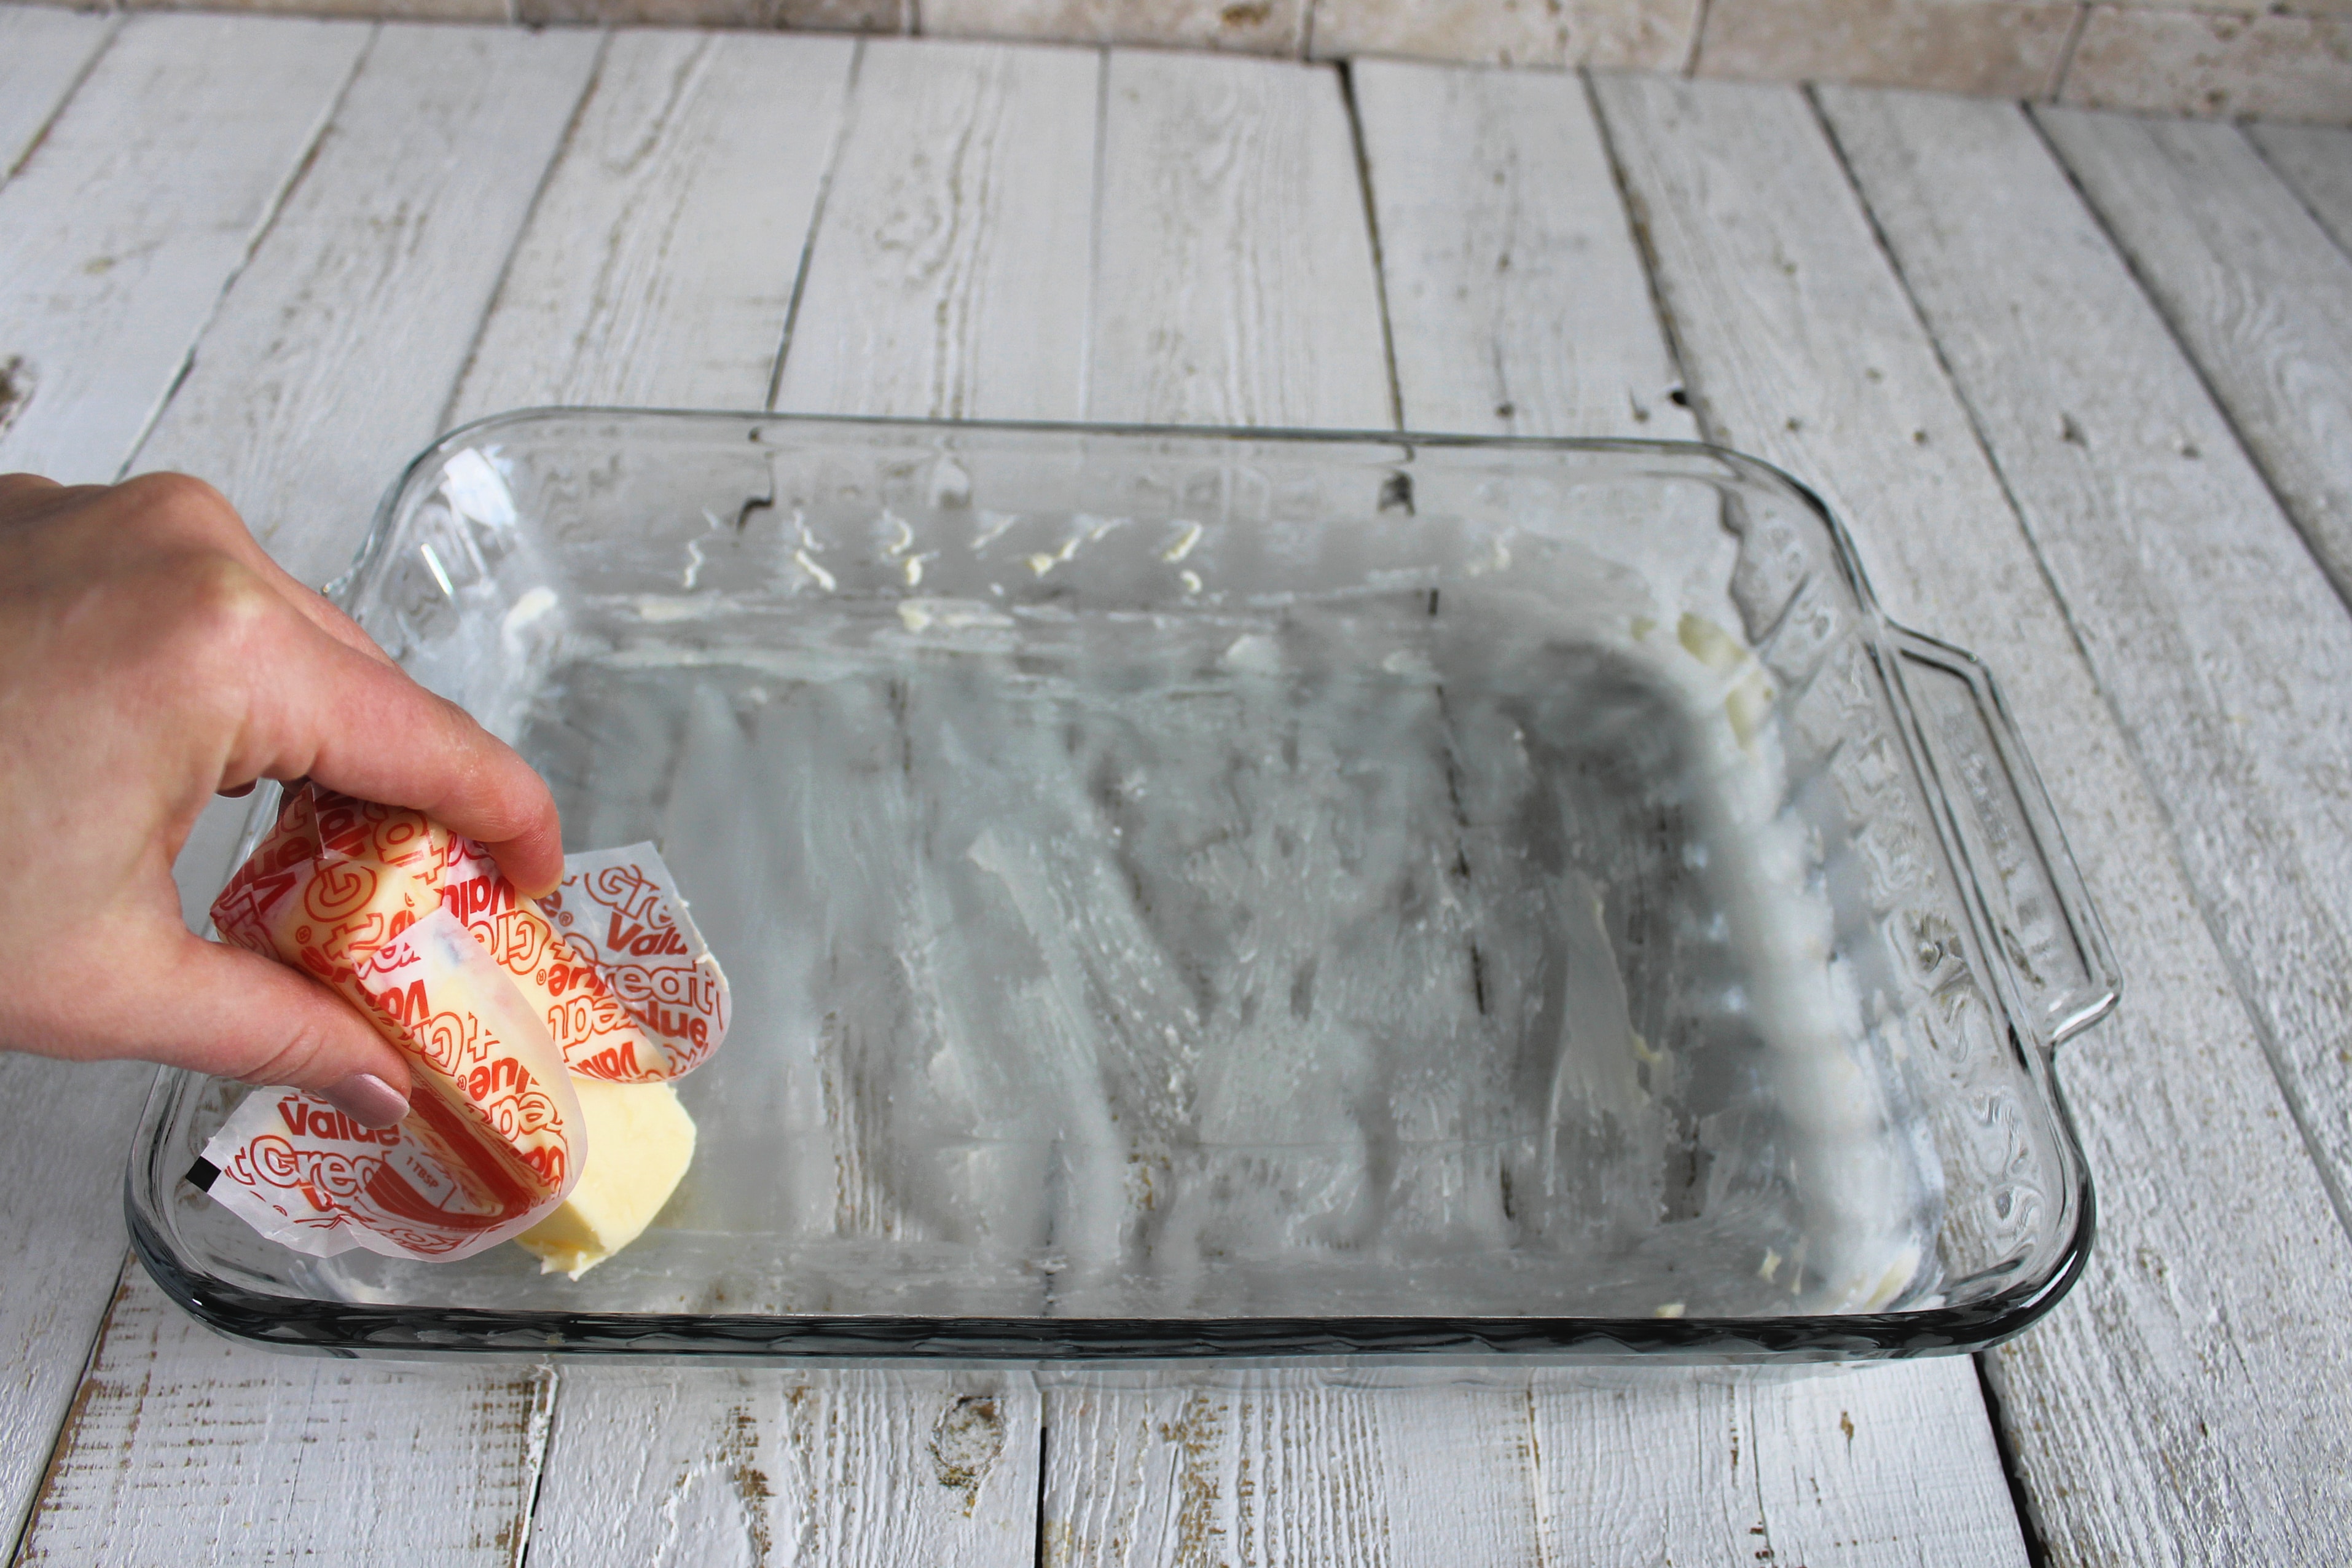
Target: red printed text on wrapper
point(470, 981)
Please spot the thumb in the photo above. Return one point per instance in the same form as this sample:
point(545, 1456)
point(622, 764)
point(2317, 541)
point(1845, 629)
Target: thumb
point(240, 1015)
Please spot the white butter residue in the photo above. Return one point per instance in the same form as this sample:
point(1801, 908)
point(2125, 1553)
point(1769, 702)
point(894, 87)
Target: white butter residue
point(818, 574)
point(660, 607)
point(949, 615)
point(529, 607)
point(1255, 654)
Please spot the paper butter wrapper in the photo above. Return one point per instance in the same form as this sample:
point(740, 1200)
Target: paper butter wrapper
point(492, 1007)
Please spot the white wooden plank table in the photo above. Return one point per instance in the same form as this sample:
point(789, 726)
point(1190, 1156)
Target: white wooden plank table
point(2098, 439)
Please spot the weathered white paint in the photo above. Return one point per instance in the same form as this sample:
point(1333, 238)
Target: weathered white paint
point(332, 355)
point(142, 201)
point(184, 1448)
point(1517, 300)
point(64, 1129)
point(2211, 1415)
point(2317, 159)
point(127, 213)
point(695, 172)
point(703, 1466)
point(2252, 287)
point(1278, 1468)
point(328, 362)
point(2195, 1334)
point(2168, 1413)
point(43, 54)
point(950, 277)
point(1890, 1464)
point(1233, 280)
point(1512, 277)
point(659, 265)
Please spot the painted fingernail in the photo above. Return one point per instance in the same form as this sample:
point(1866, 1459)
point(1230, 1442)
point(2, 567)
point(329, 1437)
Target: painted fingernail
point(366, 1099)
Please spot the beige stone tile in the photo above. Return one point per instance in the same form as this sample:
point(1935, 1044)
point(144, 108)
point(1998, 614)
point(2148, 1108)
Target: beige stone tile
point(1250, 26)
point(2008, 49)
point(2244, 8)
point(812, 15)
point(2188, 62)
point(402, 10)
point(1622, 35)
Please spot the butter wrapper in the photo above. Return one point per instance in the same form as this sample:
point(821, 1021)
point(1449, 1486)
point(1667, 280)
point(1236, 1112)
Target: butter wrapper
point(494, 1004)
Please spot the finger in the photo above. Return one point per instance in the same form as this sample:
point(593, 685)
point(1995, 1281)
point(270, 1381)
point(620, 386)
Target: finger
point(22, 489)
point(194, 509)
point(237, 1015)
point(368, 731)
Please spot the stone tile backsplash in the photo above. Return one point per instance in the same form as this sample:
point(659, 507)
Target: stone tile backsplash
point(2272, 59)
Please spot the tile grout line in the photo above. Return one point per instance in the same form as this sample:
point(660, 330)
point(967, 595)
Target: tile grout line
point(2066, 67)
point(2257, 1017)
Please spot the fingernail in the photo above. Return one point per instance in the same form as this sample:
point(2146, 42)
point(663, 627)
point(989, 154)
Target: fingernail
point(366, 1099)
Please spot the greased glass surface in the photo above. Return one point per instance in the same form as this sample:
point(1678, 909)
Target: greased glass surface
point(1245, 894)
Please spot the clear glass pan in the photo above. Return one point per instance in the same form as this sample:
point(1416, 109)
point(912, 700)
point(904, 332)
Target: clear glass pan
point(1244, 894)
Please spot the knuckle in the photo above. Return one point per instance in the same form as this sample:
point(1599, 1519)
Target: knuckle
point(181, 503)
point(295, 1056)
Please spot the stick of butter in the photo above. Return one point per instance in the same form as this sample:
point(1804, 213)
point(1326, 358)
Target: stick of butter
point(492, 999)
point(641, 1139)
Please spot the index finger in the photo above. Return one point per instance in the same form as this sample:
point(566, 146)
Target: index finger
point(364, 728)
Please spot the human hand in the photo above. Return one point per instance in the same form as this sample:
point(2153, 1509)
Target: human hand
point(151, 655)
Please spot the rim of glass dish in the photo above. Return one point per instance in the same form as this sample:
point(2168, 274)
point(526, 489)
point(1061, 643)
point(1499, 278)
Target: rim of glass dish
point(300, 1323)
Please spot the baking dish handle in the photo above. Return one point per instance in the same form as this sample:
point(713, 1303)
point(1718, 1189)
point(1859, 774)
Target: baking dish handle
point(2035, 908)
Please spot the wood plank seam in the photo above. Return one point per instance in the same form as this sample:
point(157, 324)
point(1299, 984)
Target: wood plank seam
point(1637, 223)
point(62, 1441)
point(2012, 1467)
point(2248, 994)
point(2248, 998)
point(2180, 343)
point(1044, 1435)
point(506, 266)
point(2302, 197)
point(1372, 226)
point(65, 100)
point(1710, 429)
point(254, 242)
point(1094, 270)
point(2268, 149)
point(1976, 424)
point(540, 1437)
point(842, 126)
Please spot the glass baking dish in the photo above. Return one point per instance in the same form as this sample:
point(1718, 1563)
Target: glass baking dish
point(1244, 894)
